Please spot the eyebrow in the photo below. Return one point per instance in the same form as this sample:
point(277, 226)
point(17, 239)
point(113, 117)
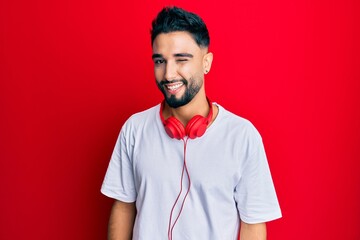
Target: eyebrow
point(183, 55)
point(157, 55)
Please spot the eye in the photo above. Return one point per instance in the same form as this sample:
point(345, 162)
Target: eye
point(159, 61)
point(182, 60)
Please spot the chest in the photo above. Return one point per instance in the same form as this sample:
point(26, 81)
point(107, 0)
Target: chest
point(212, 164)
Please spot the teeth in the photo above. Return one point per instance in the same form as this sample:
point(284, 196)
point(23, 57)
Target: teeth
point(174, 87)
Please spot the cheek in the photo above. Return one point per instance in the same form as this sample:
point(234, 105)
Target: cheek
point(159, 73)
point(188, 71)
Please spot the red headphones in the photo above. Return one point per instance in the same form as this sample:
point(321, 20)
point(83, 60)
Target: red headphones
point(196, 127)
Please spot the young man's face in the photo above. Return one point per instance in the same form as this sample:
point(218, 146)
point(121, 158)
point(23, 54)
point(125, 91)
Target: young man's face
point(179, 67)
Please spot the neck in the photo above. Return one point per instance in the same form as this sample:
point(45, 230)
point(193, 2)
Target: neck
point(197, 106)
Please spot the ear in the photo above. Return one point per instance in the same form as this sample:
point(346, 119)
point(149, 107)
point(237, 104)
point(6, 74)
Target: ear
point(207, 61)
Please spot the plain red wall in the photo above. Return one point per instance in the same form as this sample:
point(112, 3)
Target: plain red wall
point(71, 72)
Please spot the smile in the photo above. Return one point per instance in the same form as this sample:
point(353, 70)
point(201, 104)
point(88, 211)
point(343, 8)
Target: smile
point(173, 87)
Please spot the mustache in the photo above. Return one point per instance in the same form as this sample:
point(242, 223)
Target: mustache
point(174, 81)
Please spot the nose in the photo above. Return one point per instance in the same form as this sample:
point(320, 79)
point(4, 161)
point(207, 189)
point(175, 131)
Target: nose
point(170, 71)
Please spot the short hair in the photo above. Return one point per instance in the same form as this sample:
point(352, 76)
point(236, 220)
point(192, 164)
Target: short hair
point(172, 19)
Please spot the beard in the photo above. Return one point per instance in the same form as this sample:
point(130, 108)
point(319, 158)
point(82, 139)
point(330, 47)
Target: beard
point(190, 92)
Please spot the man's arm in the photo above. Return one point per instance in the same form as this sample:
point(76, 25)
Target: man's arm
point(121, 221)
point(252, 231)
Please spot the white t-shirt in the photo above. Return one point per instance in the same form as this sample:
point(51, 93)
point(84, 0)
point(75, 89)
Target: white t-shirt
point(228, 170)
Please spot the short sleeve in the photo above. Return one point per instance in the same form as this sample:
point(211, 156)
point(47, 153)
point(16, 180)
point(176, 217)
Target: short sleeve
point(255, 193)
point(119, 179)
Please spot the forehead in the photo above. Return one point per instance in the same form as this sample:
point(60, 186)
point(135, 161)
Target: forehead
point(175, 42)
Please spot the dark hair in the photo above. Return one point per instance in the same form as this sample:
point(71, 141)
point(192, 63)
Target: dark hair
point(172, 19)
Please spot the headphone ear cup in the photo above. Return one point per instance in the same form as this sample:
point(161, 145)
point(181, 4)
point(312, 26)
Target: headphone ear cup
point(174, 128)
point(196, 127)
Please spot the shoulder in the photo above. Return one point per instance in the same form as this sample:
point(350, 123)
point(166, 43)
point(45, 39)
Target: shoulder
point(237, 130)
point(141, 119)
point(235, 123)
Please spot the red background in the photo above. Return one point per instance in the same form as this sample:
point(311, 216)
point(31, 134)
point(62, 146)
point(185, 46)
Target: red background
point(72, 72)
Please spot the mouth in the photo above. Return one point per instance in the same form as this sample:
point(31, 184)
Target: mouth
point(173, 87)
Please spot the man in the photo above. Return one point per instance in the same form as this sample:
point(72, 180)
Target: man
point(187, 168)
